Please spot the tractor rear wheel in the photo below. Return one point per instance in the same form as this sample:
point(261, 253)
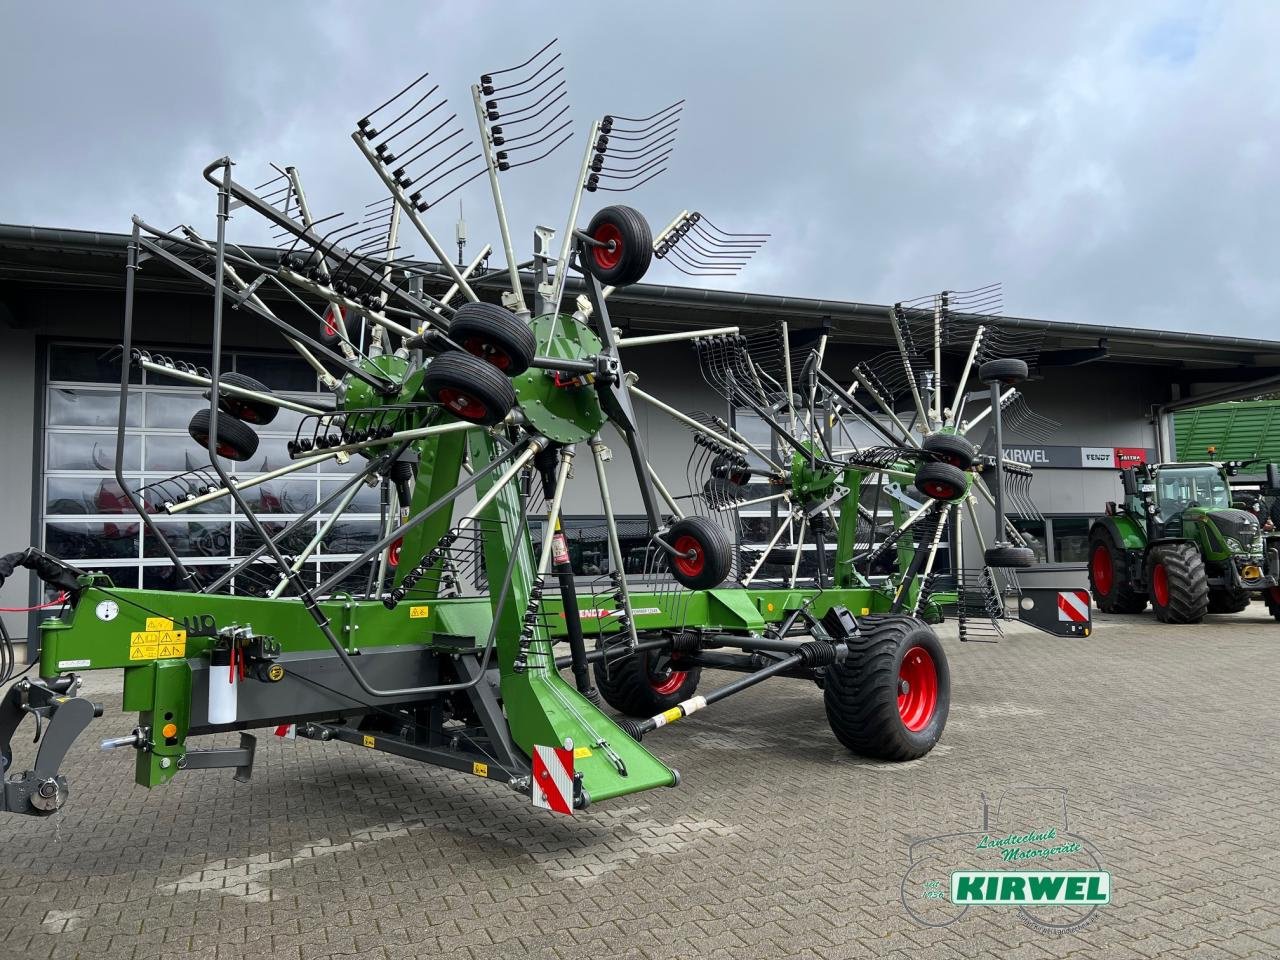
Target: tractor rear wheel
point(1179, 585)
point(1227, 600)
point(1109, 577)
point(645, 683)
point(1271, 596)
point(890, 696)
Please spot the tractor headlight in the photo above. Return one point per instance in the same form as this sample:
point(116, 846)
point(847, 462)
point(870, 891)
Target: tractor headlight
point(1251, 572)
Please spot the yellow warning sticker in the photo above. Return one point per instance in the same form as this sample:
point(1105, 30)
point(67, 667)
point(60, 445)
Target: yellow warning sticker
point(159, 623)
point(157, 644)
point(369, 741)
point(672, 715)
point(419, 613)
point(480, 769)
point(581, 753)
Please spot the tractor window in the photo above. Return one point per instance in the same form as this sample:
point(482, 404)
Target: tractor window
point(1181, 487)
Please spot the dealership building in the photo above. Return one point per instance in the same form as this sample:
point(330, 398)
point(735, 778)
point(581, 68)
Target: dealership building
point(1101, 391)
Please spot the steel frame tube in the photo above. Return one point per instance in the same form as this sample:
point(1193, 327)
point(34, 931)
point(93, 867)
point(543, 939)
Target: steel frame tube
point(566, 242)
point(647, 340)
point(246, 484)
point(199, 381)
point(517, 288)
point(611, 528)
point(686, 420)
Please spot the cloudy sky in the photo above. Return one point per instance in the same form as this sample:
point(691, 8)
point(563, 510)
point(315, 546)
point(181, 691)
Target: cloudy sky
point(1109, 163)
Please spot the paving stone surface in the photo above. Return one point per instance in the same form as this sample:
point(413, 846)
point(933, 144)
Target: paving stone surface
point(779, 843)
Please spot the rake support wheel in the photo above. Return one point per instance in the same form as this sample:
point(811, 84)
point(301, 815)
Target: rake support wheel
point(890, 697)
point(627, 248)
point(243, 408)
point(236, 440)
point(469, 388)
point(1006, 370)
point(950, 448)
point(705, 554)
point(496, 335)
point(645, 683)
point(941, 481)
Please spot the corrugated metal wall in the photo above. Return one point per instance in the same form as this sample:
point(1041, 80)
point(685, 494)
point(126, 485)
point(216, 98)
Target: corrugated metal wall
point(1239, 431)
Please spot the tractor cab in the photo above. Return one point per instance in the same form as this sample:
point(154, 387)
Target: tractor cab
point(1188, 486)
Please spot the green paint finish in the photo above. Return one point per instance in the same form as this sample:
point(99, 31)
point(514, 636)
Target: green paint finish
point(1239, 430)
point(439, 467)
point(569, 414)
point(541, 708)
point(170, 682)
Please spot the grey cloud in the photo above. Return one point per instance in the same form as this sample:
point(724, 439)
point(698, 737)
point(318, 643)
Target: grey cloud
point(1109, 163)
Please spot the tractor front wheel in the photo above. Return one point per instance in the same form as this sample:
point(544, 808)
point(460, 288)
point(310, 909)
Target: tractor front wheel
point(645, 683)
point(1109, 577)
point(1271, 596)
point(1227, 600)
point(890, 696)
point(1179, 585)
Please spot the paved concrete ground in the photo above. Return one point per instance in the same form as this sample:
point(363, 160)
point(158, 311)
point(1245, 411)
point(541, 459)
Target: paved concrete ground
point(779, 844)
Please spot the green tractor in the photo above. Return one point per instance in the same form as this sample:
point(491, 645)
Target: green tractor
point(1178, 541)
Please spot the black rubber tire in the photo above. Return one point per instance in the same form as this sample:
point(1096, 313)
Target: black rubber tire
point(235, 441)
point(242, 408)
point(629, 261)
point(496, 335)
point(469, 388)
point(1006, 370)
point(1188, 585)
point(1122, 597)
point(861, 693)
point(1271, 597)
point(1227, 600)
point(941, 481)
point(629, 686)
point(1006, 557)
point(714, 553)
point(949, 448)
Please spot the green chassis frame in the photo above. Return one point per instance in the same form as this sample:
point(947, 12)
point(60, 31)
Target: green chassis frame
point(540, 707)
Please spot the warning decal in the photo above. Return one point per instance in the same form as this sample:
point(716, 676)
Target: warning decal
point(1073, 606)
point(157, 644)
point(553, 779)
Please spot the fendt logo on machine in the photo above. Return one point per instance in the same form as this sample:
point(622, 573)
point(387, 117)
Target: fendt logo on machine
point(1086, 887)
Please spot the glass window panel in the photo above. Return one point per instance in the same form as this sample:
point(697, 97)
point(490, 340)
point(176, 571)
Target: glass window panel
point(1070, 539)
point(165, 577)
point(287, 421)
point(88, 364)
point(1033, 531)
point(351, 536)
point(93, 540)
point(68, 496)
point(174, 453)
point(173, 410)
point(367, 500)
point(247, 539)
point(282, 496)
point(192, 538)
point(283, 372)
point(161, 490)
point(75, 407)
point(89, 451)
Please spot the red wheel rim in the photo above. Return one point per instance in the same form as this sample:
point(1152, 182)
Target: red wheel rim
point(463, 404)
point(393, 552)
point(607, 259)
point(939, 490)
point(917, 689)
point(689, 566)
point(1160, 584)
point(332, 317)
point(667, 682)
point(954, 459)
point(1100, 566)
point(486, 350)
point(223, 449)
point(247, 414)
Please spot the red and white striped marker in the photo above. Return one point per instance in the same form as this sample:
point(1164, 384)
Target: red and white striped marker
point(553, 778)
point(1073, 606)
point(287, 731)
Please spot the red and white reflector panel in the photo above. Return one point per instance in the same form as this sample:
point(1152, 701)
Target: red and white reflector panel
point(1073, 606)
point(333, 320)
point(553, 779)
point(287, 731)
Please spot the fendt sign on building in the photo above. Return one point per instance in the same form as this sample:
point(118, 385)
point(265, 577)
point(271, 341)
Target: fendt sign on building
point(1074, 458)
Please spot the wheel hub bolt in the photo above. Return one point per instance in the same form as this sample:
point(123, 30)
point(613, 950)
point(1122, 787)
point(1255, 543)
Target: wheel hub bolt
point(903, 688)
